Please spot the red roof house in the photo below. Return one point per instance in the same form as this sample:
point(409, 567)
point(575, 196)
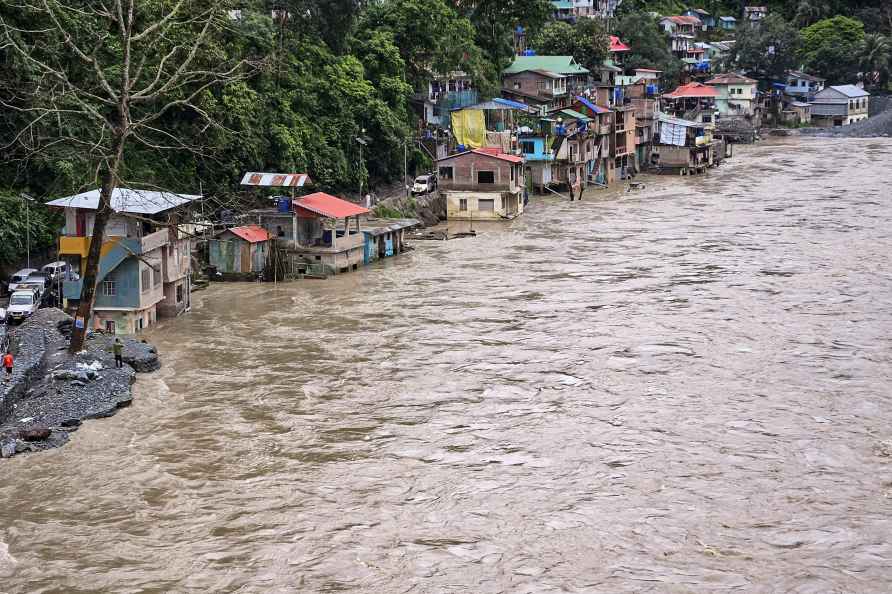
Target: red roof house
point(325, 205)
point(251, 233)
point(692, 90)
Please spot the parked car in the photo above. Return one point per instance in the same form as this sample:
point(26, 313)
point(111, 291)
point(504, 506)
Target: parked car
point(19, 277)
point(38, 288)
point(22, 305)
point(56, 270)
point(424, 184)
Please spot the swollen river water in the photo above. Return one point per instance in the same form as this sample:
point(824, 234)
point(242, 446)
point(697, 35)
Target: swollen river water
point(682, 389)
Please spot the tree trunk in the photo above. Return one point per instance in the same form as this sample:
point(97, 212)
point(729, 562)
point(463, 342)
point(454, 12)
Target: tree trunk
point(91, 271)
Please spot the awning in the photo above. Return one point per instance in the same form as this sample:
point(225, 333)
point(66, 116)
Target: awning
point(592, 106)
point(275, 180)
point(576, 115)
point(515, 104)
point(329, 206)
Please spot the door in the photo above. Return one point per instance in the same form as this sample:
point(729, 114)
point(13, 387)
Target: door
point(81, 224)
point(109, 327)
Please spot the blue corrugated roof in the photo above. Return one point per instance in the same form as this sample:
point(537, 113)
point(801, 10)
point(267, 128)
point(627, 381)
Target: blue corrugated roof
point(592, 106)
point(514, 104)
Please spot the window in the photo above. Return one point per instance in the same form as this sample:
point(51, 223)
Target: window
point(486, 177)
point(512, 174)
point(540, 84)
point(156, 273)
point(109, 288)
point(463, 205)
point(486, 205)
point(146, 277)
point(517, 85)
point(280, 232)
point(527, 147)
point(179, 293)
point(446, 173)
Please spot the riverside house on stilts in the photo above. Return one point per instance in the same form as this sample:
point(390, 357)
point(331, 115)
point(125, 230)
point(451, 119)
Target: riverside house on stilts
point(327, 235)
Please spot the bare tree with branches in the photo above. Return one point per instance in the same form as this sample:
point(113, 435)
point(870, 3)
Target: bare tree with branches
point(102, 77)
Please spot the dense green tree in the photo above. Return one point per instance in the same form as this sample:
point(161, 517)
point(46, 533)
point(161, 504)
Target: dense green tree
point(495, 21)
point(14, 237)
point(832, 47)
point(586, 41)
point(432, 38)
point(767, 50)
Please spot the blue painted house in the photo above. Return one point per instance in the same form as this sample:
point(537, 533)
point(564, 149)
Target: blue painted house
point(144, 261)
point(707, 19)
point(727, 23)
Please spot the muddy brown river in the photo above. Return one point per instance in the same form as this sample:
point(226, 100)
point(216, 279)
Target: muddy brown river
point(682, 389)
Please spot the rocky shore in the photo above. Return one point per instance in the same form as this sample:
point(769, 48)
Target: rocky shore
point(52, 392)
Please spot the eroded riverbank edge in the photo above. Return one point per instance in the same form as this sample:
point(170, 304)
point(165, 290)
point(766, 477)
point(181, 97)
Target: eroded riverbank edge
point(52, 392)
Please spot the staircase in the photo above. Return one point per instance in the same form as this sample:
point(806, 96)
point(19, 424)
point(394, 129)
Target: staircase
point(120, 251)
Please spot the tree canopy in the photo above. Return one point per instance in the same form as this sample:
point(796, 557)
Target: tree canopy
point(831, 48)
point(768, 49)
point(586, 41)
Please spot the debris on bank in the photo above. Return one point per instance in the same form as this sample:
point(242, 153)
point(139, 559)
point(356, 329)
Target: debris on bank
point(52, 392)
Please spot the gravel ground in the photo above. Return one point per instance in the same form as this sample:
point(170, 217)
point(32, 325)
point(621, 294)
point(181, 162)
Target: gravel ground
point(52, 392)
point(877, 126)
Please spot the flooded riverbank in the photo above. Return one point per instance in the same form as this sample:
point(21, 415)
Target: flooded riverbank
point(682, 389)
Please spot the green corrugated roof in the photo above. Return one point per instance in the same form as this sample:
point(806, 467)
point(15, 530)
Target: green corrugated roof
point(559, 64)
point(575, 115)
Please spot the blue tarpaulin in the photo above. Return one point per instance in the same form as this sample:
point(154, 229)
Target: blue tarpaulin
point(592, 106)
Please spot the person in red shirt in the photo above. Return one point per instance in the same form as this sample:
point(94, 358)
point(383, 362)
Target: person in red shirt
point(7, 364)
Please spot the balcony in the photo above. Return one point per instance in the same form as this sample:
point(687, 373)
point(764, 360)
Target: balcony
point(153, 241)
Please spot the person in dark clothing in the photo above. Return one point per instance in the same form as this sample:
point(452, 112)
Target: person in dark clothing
point(119, 353)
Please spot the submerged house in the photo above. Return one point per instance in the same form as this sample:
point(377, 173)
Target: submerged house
point(327, 233)
point(482, 184)
point(385, 238)
point(240, 251)
point(685, 147)
point(145, 259)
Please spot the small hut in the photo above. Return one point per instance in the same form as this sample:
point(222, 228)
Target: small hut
point(240, 250)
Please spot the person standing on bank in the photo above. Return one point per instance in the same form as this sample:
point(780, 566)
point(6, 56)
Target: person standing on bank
point(119, 353)
point(7, 365)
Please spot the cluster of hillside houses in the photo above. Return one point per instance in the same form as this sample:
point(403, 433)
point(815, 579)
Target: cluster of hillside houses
point(557, 127)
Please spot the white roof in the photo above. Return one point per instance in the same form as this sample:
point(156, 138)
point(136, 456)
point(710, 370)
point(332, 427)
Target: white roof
point(127, 200)
point(850, 91)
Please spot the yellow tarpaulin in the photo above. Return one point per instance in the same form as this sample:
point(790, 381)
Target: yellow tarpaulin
point(469, 127)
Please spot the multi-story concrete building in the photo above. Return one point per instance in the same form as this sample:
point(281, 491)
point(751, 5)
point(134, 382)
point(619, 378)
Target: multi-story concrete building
point(145, 258)
point(482, 184)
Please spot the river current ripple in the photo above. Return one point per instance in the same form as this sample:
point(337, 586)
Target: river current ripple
point(681, 389)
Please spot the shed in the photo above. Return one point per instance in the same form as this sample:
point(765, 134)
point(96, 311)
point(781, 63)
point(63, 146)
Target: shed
point(240, 250)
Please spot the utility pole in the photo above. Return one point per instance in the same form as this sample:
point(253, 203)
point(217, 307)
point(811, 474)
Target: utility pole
point(406, 165)
point(25, 200)
point(362, 142)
